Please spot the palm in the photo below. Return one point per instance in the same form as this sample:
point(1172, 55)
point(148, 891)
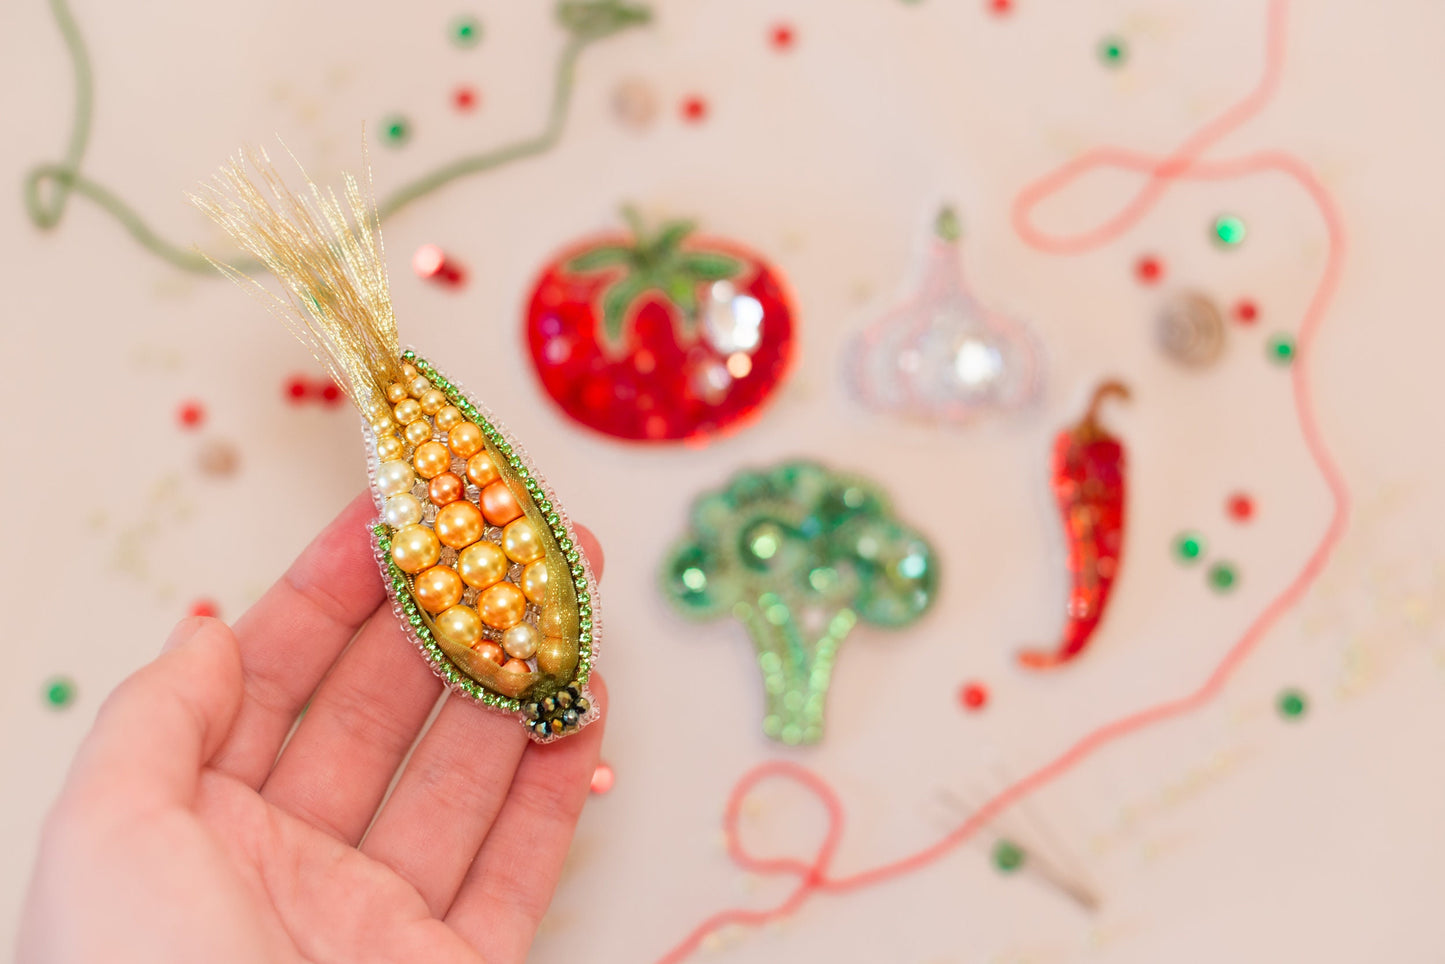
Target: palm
point(224, 845)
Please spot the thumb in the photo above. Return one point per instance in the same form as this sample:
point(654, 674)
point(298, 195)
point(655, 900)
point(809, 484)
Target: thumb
point(160, 726)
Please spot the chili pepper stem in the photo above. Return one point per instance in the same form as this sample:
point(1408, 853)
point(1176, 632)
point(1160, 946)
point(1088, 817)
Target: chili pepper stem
point(1089, 426)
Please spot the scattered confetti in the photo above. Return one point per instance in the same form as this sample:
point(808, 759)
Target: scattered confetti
point(1222, 576)
point(395, 131)
point(204, 607)
point(1246, 312)
point(218, 458)
point(1189, 546)
point(1229, 230)
point(1292, 704)
point(782, 37)
point(1007, 856)
point(466, 31)
point(433, 264)
point(1148, 269)
point(59, 692)
point(191, 414)
point(1240, 507)
point(1113, 52)
point(602, 779)
point(973, 696)
point(1281, 349)
point(693, 109)
point(464, 98)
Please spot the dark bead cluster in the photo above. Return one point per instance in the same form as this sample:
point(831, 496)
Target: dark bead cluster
point(556, 714)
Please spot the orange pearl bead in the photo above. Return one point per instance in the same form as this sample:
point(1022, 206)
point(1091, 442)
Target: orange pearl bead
point(520, 542)
point(432, 402)
point(460, 626)
point(431, 459)
point(502, 606)
point(414, 548)
point(466, 439)
point(516, 666)
point(490, 650)
point(445, 488)
point(499, 504)
point(449, 418)
point(395, 392)
point(482, 565)
point(459, 524)
point(417, 432)
point(437, 588)
point(481, 470)
point(534, 582)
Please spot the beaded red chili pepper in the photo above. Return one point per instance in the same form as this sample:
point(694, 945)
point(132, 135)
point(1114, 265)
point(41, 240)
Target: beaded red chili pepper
point(1088, 480)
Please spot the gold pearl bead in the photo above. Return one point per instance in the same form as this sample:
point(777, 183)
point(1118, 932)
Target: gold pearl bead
point(482, 565)
point(408, 371)
point(556, 657)
point(466, 439)
point(481, 470)
point(395, 392)
point(432, 402)
point(499, 504)
point(403, 509)
point(437, 588)
point(553, 622)
point(445, 488)
point(490, 650)
point(502, 606)
point(394, 478)
point(460, 626)
point(389, 447)
point(534, 582)
point(384, 425)
point(520, 542)
point(449, 418)
point(408, 411)
point(431, 459)
point(417, 432)
point(459, 524)
point(521, 641)
point(419, 386)
point(414, 548)
point(376, 408)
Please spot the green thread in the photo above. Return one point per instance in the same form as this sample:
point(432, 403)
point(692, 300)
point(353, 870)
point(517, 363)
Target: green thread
point(587, 21)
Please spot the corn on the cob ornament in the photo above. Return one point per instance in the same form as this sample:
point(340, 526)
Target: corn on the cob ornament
point(480, 560)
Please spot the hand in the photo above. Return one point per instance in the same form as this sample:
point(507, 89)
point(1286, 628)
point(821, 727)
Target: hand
point(185, 832)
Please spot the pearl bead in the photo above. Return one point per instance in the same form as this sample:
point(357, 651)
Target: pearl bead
point(556, 657)
point(389, 447)
point(515, 666)
point(459, 524)
point(482, 565)
point(521, 641)
point(437, 588)
point(534, 581)
point(393, 478)
point(553, 622)
point(460, 626)
point(432, 402)
point(419, 386)
point(375, 408)
point(408, 411)
point(418, 432)
point(490, 650)
point(383, 425)
point(502, 606)
point(466, 439)
point(414, 548)
point(431, 459)
point(482, 470)
point(402, 510)
point(395, 392)
point(445, 488)
point(520, 542)
point(408, 371)
point(449, 418)
point(499, 504)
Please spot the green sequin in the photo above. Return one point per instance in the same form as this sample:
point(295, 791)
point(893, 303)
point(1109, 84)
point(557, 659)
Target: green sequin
point(1292, 704)
point(1008, 856)
point(59, 692)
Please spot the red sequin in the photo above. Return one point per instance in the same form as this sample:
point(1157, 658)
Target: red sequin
point(297, 388)
point(464, 98)
point(602, 779)
point(191, 414)
point(694, 109)
point(330, 392)
point(1001, 6)
point(1246, 312)
point(783, 36)
point(204, 607)
point(973, 696)
point(1241, 507)
point(1149, 269)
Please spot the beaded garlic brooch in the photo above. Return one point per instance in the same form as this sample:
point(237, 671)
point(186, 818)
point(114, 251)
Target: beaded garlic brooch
point(481, 563)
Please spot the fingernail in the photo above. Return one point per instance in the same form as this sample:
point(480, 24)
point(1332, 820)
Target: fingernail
point(184, 631)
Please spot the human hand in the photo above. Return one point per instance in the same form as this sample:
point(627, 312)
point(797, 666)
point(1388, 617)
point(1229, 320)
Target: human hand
point(185, 832)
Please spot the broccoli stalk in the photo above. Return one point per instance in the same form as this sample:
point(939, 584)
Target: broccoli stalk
point(799, 555)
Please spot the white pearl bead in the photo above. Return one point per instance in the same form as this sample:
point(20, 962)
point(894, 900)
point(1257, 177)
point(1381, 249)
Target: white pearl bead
point(394, 478)
point(520, 641)
point(402, 510)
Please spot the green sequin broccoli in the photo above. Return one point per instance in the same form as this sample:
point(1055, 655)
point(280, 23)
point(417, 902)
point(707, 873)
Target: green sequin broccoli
point(799, 554)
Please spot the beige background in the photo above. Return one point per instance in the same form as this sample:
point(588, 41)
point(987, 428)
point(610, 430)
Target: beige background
point(1226, 836)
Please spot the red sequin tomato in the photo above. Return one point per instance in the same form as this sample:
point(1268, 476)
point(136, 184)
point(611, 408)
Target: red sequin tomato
point(661, 336)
